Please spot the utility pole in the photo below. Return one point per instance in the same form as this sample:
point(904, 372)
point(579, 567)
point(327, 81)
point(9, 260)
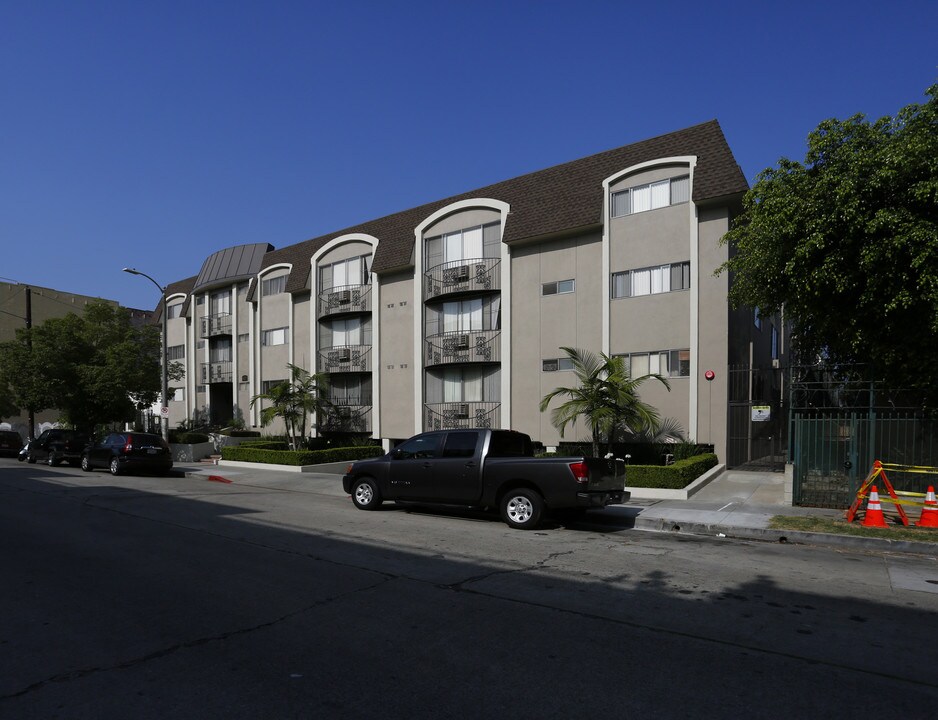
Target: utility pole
point(29, 345)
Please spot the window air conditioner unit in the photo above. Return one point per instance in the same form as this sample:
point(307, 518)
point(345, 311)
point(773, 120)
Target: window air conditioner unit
point(462, 411)
point(344, 357)
point(462, 272)
point(462, 342)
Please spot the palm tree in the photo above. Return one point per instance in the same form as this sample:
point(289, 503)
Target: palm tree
point(293, 400)
point(605, 396)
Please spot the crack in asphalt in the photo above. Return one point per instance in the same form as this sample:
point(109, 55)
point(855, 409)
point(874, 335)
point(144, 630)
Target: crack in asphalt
point(197, 642)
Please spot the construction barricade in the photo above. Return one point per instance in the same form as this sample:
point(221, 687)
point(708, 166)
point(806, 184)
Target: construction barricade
point(873, 513)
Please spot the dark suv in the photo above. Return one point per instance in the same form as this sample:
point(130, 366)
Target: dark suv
point(57, 446)
point(128, 451)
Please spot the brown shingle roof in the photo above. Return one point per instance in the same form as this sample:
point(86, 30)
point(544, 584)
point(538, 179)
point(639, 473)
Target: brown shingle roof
point(558, 199)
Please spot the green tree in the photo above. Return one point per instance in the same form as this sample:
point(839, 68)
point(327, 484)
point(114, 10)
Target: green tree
point(847, 244)
point(293, 401)
point(605, 396)
point(96, 368)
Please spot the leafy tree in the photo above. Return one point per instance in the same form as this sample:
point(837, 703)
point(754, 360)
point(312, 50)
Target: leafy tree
point(293, 401)
point(605, 396)
point(95, 369)
point(847, 244)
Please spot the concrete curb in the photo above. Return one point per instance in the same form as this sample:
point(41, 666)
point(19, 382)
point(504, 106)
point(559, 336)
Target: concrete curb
point(786, 536)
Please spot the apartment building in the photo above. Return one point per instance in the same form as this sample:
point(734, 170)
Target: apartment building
point(452, 314)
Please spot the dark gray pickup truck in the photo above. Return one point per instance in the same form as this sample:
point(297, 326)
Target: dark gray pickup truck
point(488, 469)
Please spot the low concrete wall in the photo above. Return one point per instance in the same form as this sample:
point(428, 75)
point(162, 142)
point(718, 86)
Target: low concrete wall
point(191, 453)
point(640, 493)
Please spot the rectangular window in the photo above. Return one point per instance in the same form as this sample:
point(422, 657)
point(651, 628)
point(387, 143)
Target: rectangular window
point(670, 363)
point(179, 395)
point(651, 196)
point(463, 385)
point(274, 286)
point(557, 288)
point(651, 281)
point(219, 350)
point(220, 303)
point(354, 271)
point(243, 337)
point(268, 385)
point(174, 311)
point(176, 352)
point(200, 388)
point(555, 364)
point(774, 343)
point(276, 336)
point(473, 243)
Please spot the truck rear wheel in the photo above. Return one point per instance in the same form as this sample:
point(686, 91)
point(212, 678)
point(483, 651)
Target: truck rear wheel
point(365, 494)
point(522, 508)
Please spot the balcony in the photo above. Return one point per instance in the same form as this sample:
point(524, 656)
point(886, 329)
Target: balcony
point(461, 415)
point(462, 276)
point(345, 418)
point(344, 299)
point(213, 325)
point(345, 358)
point(216, 372)
point(458, 348)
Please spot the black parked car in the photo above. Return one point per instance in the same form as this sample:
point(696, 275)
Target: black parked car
point(57, 446)
point(10, 443)
point(127, 452)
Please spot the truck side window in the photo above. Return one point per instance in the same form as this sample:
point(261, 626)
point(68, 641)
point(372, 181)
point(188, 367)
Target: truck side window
point(418, 448)
point(461, 444)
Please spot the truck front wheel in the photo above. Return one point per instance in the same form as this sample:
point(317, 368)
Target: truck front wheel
point(365, 494)
point(522, 508)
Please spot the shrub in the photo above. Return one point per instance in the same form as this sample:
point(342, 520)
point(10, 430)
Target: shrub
point(298, 457)
point(187, 438)
point(265, 444)
point(243, 433)
point(676, 476)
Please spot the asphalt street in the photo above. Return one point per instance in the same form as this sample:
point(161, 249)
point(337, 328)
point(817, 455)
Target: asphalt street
point(152, 597)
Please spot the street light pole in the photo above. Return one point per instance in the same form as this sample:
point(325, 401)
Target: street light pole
point(164, 408)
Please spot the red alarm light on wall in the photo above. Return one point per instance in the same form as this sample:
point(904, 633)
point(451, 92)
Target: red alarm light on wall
point(710, 375)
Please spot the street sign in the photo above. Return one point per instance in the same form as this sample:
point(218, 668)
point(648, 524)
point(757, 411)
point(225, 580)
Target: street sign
point(761, 413)
point(164, 412)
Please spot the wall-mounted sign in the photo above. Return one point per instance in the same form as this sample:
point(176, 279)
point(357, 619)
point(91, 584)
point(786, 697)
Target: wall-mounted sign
point(761, 413)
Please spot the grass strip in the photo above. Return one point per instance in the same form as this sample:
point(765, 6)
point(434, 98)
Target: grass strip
point(841, 527)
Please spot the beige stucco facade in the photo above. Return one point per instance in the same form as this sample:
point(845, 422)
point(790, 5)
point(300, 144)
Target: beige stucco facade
point(465, 325)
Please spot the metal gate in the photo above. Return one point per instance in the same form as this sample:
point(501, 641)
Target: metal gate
point(841, 424)
point(757, 425)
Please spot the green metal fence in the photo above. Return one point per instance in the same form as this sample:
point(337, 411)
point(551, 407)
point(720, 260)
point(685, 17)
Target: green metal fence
point(833, 451)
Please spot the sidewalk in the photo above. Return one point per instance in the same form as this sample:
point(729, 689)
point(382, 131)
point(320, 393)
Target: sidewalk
point(740, 505)
point(733, 504)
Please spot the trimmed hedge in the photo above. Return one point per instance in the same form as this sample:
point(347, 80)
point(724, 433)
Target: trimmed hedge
point(265, 444)
point(188, 438)
point(676, 476)
point(298, 457)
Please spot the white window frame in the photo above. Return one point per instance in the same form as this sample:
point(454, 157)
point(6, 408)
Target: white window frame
point(650, 196)
point(559, 287)
point(269, 337)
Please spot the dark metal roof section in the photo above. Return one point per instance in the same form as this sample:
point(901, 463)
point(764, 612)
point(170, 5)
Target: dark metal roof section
point(231, 264)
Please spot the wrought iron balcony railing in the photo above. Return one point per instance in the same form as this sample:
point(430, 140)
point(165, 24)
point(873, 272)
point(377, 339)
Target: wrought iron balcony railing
point(456, 348)
point(213, 325)
point(461, 415)
point(345, 358)
point(344, 299)
point(345, 418)
point(216, 372)
point(462, 276)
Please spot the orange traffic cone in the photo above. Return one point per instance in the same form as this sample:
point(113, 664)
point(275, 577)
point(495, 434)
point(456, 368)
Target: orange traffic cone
point(873, 517)
point(930, 511)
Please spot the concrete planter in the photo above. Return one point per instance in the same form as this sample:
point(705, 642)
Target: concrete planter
point(191, 453)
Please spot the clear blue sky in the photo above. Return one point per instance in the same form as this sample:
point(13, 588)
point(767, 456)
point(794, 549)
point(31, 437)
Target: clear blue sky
point(151, 134)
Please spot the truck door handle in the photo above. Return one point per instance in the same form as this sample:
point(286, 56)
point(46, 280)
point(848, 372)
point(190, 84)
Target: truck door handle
point(470, 464)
